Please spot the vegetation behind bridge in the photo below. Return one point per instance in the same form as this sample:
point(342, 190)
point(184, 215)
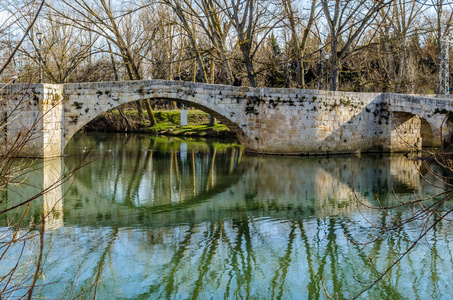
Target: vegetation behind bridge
point(372, 46)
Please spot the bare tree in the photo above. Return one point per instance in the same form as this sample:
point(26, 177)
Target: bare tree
point(252, 20)
point(299, 43)
point(399, 26)
point(181, 12)
point(346, 21)
point(62, 49)
point(213, 22)
point(16, 14)
point(101, 18)
point(441, 25)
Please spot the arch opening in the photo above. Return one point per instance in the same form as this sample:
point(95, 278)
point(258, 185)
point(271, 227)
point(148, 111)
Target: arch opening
point(87, 118)
point(410, 132)
point(405, 132)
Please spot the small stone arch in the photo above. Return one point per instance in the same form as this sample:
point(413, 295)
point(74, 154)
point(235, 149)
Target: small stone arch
point(405, 132)
point(410, 132)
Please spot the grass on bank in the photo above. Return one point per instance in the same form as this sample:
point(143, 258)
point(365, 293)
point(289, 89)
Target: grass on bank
point(167, 123)
point(189, 130)
point(194, 116)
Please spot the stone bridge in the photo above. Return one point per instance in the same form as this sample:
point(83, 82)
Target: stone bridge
point(266, 120)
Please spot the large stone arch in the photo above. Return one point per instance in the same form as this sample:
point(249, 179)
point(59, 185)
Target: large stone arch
point(85, 101)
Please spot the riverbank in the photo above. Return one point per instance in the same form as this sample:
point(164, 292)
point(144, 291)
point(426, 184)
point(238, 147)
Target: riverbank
point(200, 130)
point(167, 124)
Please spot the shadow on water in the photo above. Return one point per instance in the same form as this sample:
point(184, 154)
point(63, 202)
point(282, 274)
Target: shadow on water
point(177, 218)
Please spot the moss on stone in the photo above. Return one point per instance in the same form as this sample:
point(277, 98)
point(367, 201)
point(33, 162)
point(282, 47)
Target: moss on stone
point(77, 105)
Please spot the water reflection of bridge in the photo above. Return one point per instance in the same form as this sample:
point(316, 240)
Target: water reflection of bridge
point(277, 223)
point(168, 191)
point(179, 185)
point(40, 181)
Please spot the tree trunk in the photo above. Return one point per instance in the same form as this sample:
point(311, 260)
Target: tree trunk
point(390, 58)
point(140, 110)
point(115, 71)
point(211, 121)
point(334, 79)
point(333, 70)
point(120, 110)
point(401, 68)
point(249, 68)
point(151, 117)
point(295, 42)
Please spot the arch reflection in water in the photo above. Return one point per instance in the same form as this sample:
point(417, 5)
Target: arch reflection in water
point(139, 174)
point(31, 179)
point(172, 218)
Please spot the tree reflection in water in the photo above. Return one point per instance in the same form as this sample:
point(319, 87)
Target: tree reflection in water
point(172, 218)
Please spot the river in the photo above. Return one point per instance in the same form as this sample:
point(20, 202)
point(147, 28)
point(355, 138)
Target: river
point(180, 218)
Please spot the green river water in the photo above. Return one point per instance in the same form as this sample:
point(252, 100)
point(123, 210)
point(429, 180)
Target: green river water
point(173, 218)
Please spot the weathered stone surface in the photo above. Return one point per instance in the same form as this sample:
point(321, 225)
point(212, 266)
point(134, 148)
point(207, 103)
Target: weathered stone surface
point(266, 120)
point(32, 120)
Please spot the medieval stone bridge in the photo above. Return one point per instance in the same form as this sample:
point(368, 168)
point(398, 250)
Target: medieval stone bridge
point(266, 120)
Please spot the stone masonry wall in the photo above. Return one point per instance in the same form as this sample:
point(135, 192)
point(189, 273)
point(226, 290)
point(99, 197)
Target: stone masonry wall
point(314, 122)
point(32, 120)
